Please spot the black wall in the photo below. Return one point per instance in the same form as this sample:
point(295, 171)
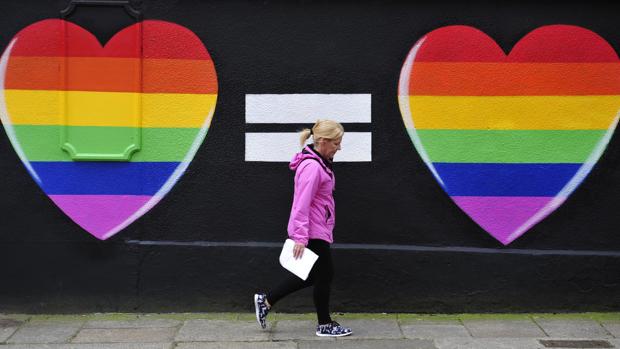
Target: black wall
point(49, 264)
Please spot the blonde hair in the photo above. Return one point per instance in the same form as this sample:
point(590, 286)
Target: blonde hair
point(328, 129)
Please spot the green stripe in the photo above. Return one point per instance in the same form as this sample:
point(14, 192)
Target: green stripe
point(42, 143)
point(510, 146)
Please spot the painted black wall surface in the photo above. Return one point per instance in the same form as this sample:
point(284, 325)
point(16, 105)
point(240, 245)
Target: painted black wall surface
point(49, 264)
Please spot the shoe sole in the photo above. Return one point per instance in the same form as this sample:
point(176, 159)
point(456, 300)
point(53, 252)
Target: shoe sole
point(258, 312)
point(334, 335)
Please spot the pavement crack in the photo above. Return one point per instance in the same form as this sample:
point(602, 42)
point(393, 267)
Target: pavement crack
point(539, 326)
point(466, 328)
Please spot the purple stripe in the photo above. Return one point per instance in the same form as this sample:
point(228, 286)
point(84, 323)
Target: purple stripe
point(100, 214)
point(506, 217)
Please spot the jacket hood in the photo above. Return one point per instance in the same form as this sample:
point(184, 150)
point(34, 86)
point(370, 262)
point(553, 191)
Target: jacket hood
point(309, 153)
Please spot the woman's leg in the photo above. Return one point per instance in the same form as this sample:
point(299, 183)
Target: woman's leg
point(288, 285)
point(291, 283)
point(322, 282)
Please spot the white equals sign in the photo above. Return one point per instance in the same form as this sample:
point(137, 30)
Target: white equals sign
point(305, 109)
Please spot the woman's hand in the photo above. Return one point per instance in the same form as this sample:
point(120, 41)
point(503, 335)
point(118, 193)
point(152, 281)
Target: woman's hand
point(298, 250)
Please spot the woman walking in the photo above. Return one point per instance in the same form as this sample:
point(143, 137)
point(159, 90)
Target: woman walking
point(311, 224)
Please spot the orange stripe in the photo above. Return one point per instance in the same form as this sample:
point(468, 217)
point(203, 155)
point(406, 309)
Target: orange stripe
point(514, 79)
point(106, 74)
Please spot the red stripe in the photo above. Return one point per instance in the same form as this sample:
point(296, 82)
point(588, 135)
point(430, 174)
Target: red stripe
point(458, 43)
point(547, 44)
point(169, 40)
point(148, 39)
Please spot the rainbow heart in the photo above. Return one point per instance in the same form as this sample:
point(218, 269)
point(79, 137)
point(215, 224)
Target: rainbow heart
point(106, 131)
point(510, 137)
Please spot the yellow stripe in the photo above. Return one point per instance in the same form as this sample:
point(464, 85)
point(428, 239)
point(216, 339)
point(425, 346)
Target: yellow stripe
point(41, 107)
point(514, 112)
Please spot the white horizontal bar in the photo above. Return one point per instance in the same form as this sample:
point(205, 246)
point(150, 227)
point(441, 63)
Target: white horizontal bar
point(307, 108)
point(281, 146)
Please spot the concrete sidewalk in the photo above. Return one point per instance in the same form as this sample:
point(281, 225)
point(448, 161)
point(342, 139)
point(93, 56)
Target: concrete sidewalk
point(386, 331)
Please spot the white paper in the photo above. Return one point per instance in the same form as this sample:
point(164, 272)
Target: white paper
point(300, 267)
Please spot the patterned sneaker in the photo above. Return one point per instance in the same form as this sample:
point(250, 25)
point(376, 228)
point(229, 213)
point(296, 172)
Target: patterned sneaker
point(261, 309)
point(332, 329)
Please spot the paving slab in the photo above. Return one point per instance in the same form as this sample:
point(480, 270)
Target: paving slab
point(238, 345)
point(8, 325)
point(92, 346)
point(369, 344)
point(221, 330)
point(138, 323)
point(296, 330)
point(573, 328)
point(125, 335)
point(6, 332)
point(433, 329)
point(487, 343)
point(373, 329)
point(503, 328)
point(44, 333)
point(613, 328)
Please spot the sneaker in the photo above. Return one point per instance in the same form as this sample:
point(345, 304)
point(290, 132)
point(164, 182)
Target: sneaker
point(332, 329)
point(261, 309)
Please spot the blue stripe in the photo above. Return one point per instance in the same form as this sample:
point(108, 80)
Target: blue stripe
point(98, 178)
point(484, 179)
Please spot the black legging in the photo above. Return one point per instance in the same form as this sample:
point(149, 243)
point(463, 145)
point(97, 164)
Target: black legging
point(320, 276)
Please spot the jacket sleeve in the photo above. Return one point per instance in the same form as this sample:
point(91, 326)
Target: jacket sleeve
point(307, 181)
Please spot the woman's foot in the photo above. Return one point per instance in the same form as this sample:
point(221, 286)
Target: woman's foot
point(332, 329)
point(262, 309)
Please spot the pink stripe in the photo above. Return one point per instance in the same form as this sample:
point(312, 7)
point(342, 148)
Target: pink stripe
point(100, 214)
point(506, 217)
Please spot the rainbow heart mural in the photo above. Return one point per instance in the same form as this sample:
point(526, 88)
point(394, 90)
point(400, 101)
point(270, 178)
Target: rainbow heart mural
point(510, 137)
point(106, 131)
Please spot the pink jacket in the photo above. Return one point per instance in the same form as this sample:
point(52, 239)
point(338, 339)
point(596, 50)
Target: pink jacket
point(313, 213)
